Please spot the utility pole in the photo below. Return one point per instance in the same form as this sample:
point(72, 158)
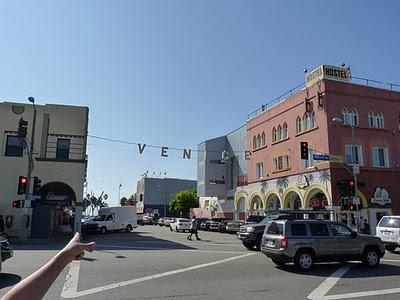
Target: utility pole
point(28, 195)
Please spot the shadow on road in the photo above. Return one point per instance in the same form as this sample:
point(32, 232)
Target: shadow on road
point(358, 270)
point(7, 280)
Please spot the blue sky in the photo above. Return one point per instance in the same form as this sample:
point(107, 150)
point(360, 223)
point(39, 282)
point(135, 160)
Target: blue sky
point(175, 73)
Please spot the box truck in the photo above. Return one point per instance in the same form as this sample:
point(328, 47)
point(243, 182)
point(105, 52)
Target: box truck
point(112, 219)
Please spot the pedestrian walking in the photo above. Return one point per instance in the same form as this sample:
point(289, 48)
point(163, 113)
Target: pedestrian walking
point(360, 225)
point(367, 228)
point(193, 229)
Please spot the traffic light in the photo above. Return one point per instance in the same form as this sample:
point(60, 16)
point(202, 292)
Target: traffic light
point(304, 150)
point(351, 187)
point(345, 204)
point(37, 184)
point(352, 207)
point(22, 128)
point(22, 185)
point(18, 203)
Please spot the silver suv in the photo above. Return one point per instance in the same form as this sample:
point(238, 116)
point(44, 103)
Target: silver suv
point(307, 241)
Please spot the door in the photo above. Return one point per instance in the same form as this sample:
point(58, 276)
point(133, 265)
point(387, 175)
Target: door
point(41, 221)
point(320, 239)
point(109, 222)
point(345, 243)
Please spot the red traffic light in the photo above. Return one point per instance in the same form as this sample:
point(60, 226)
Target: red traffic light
point(24, 180)
point(351, 183)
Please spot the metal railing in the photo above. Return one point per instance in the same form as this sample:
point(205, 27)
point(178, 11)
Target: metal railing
point(357, 80)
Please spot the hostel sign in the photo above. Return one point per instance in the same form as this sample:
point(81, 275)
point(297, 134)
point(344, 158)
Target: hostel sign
point(327, 72)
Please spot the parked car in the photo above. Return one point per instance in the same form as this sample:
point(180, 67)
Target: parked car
point(233, 226)
point(148, 220)
point(168, 221)
point(180, 224)
point(200, 221)
point(251, 234)
point(388, 230)
point(307, 241)
point(6, 252)
point(161, 221)
point(214, 223)
point(254, 219)
point(222, 225)
point(205, 225)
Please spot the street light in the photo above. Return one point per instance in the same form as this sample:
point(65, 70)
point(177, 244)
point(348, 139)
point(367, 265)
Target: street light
point(353, 151)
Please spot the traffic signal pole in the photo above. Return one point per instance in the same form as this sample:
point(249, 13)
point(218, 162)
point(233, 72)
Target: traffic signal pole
point(353, 141)
point(28, 195)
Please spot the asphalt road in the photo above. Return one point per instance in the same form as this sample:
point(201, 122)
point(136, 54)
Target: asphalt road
point(153, 263)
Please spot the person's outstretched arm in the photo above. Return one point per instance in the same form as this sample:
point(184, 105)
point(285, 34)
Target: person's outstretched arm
point(37, 284)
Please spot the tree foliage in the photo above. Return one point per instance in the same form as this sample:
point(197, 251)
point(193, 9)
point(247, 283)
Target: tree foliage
point(132, 200)
point(183, 201)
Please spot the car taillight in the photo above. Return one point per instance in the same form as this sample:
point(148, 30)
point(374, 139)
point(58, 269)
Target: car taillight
point(285, 243)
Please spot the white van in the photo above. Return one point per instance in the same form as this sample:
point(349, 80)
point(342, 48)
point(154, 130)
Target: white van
point(388, 230)
point(112, 219)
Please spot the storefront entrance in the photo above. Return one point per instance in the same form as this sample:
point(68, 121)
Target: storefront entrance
point(52, 214)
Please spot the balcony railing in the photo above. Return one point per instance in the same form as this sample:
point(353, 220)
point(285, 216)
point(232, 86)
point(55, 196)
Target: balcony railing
point(241, 180)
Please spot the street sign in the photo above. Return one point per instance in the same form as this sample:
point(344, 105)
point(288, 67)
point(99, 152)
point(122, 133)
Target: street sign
point(337, 159)
point(321, 157)
point(356, 169)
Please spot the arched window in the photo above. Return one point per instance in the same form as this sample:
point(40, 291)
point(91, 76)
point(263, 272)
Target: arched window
point(313, 119)
point(379, 120)
point(299, 125)
point(274, 134)
point(263, 139)
point(258, 141)
point(254, 142)
point(279, 133)
point(353, 117)
point(284, 131)
point(371, 119)
point(306, 121)
point(345, 115)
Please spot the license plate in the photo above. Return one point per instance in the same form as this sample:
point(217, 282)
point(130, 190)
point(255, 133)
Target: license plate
point(270, 243)
point(387, 232)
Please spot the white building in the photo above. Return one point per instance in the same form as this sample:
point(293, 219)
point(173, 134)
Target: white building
point(59, 161)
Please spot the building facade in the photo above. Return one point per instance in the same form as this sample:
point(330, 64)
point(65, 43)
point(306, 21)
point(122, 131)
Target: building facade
point(155, 194)
point(221, 171)
point(59, 160)
point(279, 178)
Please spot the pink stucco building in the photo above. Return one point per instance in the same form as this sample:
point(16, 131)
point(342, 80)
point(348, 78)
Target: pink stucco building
point(279, 178)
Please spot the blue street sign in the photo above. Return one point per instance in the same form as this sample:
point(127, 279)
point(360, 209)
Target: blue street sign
point(321, 157)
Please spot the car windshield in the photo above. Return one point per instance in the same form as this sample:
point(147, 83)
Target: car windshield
point(99, 218)
point(390, 222)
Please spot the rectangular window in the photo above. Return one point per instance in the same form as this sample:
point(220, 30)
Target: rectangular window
point(318, 229)
point(14, 146)
point(260, 170)
point(281, 163)
point(380, 157)
point(298, 230)
point(62, 149)
point(358, 155)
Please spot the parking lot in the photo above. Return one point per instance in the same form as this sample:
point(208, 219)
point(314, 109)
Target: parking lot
point(152, 262)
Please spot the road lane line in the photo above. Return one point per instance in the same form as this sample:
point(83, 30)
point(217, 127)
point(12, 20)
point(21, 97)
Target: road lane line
point(324, 287)
point(69, 294)
point(361, 294)
point(71, 281)
point(168, 249)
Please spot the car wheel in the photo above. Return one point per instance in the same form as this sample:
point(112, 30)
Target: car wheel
point(278, 262)
point(371, 257)
point(258, 242)
point(248, 245)
point(103, 230)
point(390, 248)
point(304, 260)
point(128, 228)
